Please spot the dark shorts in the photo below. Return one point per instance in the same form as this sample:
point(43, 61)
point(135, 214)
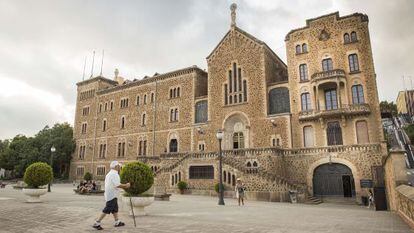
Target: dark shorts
point(111, 206)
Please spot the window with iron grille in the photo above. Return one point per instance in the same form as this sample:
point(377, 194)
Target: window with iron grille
point(201, 172)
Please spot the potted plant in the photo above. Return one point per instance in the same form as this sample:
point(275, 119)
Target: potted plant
point(37, 175)
point(87, 176)
point(182, 186)
point(141, 178)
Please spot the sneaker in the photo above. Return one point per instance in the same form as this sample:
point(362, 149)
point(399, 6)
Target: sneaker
point(97, 227)
point(119, 224)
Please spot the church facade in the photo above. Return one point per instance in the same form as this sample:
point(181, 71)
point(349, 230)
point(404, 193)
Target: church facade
point(312, 125)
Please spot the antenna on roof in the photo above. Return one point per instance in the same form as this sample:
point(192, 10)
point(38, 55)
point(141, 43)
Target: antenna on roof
point(93, 63)
point(103, 55)
point(84, 67)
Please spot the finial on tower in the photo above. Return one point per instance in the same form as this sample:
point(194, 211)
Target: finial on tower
point(233, 8)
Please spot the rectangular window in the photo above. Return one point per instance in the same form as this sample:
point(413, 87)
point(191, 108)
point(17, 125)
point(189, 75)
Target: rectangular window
point(230, 82)
point(306, 102)
point(303, 72)
point(245, 90)
point(308, 136)
point(331, 102)
point(100, 171)
point(357, 94)
point(353, 63)
point(225, 95)
point(327, 64)
point(201, 172)
point(80, 171)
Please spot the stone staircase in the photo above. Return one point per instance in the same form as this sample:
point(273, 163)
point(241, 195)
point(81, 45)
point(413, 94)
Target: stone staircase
point(312, 200)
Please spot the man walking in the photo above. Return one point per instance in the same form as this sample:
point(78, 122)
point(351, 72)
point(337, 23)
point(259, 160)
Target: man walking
point(112, 186)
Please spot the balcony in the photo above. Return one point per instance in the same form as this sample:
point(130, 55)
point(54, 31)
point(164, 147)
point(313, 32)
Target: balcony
point(344, 110)
point(328, 76)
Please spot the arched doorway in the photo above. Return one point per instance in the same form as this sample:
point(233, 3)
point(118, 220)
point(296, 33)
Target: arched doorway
point(333, 179)
point(236, 131)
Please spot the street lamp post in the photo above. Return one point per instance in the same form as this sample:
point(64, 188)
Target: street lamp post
point(52, 150)
point(219, 136)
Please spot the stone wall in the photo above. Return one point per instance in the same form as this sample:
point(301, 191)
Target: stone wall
point(400, 197)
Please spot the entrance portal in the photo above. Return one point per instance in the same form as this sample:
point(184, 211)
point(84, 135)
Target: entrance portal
point(333, 179)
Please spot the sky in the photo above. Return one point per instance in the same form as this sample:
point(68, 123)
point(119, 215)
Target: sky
point(44, 43)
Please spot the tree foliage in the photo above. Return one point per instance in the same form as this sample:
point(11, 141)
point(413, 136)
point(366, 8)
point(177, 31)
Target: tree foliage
point(388, 107)
point(21, 151)
point(139, 175)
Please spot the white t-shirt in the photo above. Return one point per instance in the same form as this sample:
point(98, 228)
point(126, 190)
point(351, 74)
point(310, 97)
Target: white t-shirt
point(112, 181)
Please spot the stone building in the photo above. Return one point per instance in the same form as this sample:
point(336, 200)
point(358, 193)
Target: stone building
point(312, 125)
point(405, 102)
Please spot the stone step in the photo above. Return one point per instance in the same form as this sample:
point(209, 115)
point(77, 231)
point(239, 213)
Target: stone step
point(313, 201)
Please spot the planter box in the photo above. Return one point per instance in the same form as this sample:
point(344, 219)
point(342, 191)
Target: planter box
point(138, 204)
point(34, 194)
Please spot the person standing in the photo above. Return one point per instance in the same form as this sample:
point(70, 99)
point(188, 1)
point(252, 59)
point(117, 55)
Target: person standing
point(370, 199)
point(239, 189)
point(112, 186)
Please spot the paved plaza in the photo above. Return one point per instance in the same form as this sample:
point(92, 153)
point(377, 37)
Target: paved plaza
point(63, 211)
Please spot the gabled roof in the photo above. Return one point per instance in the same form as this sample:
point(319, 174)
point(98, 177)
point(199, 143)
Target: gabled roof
point(248, 35)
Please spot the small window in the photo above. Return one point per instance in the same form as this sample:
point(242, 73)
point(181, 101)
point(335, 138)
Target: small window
point(178, 91)
point(145, 99)
point(138, 100)
point(298, 49)
point(152, 97)
point(354, 37)
point(122, 122)
point(304, 48)
point(143, 119)
point(104, 125)
point(112, 105)
point(346, 38)
point(201, 172)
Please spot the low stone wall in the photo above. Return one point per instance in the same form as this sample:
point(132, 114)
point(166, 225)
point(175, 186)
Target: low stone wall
point(405, 203)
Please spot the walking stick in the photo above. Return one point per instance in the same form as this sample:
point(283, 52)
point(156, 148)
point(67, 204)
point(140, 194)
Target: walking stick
point(132, 210)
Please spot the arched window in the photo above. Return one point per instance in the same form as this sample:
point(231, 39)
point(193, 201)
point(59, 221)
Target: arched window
point(353, 63)
point(327, 64)
point(176, 178)
point(171, 93)
point(279, 100)
point(143, 119)
point(152, 97)
point(298, 49)
point(229, 178)
point(254, 164)
point(233, 180)
point(171, 115)
point(179, 176)
point(248, 164)
point(303, 72)
point(238, 140)
point(173, 145)
point(176, 114)
point(346, 38)
point(334, 133)
point(122, 122)
point(104, 125)
point(145, 99)
point(224, 176)
point(178, 91)
point(354, 37)
point(138, 100)
point(362, 132)
point(175, 92)
point(357, 94)
point(201, 111)
point(308, 136)
point(306, 101)
point(304, 48)
point(172, 180)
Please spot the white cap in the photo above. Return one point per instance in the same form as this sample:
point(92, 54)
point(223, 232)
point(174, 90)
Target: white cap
point(114, 164)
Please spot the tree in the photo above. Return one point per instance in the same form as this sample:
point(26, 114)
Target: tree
point(388, 107)
point(21, 151)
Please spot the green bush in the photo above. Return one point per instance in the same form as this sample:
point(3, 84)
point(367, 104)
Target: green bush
point(216, 187)
point(182, 185)
point(38, 174)
point(409, 130)
point(140, 177)
point(87, 176)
